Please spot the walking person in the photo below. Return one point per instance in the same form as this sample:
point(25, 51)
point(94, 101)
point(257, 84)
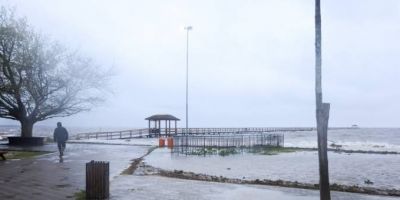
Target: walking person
point(60, 136)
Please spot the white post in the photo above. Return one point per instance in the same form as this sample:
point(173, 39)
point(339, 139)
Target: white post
point(187, 28)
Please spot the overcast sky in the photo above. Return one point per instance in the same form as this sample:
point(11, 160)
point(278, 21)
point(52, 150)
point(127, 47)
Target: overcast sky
point(251, 62)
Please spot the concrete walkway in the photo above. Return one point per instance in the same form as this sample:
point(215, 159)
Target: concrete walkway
point(127, 187)
point(44, 177)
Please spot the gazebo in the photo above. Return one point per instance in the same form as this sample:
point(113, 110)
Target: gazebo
point(156, 130)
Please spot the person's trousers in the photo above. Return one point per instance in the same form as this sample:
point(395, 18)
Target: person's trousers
point(61, 147)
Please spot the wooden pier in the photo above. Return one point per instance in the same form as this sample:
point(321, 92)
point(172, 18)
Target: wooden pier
point(152, 132)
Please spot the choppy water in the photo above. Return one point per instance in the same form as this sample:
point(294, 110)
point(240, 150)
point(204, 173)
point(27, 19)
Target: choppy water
point(48, 130)
point(344, 168)
point(369, 139)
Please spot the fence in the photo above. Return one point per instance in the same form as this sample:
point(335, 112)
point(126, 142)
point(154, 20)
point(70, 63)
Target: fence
point(224, 144)
point(201, 131)
point(232, 140)
point(112, 135)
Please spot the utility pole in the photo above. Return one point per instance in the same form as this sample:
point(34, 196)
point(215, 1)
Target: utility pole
point(322, 111)
point(187, 28)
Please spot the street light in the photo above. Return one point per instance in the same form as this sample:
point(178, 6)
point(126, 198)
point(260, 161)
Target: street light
point(187, 28)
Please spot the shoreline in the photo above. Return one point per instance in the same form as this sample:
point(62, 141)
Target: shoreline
point(152, 171)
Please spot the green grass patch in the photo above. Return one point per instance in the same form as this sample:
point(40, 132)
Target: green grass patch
point(272, 150)
point(213, 151)
point(23, 154)
point(81, 195)
point(228, 151)
point(203, 151)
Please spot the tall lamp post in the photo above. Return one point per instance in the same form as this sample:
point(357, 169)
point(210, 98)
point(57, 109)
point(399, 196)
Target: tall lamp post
point(187, 28)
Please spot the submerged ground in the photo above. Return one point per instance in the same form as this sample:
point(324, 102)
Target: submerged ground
point(44, 177)
point(361, 169)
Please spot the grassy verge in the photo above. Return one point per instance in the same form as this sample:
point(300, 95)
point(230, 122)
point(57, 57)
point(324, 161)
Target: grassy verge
point(135, 162)
point(23, 154)
point(81, 195)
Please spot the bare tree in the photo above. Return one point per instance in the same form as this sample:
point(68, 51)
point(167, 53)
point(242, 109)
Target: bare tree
point(322, 111)
point(40, 79)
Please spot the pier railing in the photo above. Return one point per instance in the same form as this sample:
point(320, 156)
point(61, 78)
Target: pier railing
point(111, 135)
point(145, 132)
point(201, 131)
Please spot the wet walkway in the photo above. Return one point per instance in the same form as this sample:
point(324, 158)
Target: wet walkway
point(128, 187)
point(44, 177)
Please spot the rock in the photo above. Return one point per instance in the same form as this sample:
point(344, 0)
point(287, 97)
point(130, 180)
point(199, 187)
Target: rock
point(369, 182)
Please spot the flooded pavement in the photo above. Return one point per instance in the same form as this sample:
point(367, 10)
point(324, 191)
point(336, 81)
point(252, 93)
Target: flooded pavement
point(129, 187)
point(302, 166)
point(45, 177)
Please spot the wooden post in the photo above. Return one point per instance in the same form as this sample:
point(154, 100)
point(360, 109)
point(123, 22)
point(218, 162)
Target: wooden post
point(166, 128)
point(176, 128)
point(322, 129)
point(97, 180)
point(149, 128)
point(322, 111)
point(169, 127)
point(159, 128)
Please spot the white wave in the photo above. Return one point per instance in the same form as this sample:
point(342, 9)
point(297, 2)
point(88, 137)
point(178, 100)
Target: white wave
point(368, 146)
point(356, 146)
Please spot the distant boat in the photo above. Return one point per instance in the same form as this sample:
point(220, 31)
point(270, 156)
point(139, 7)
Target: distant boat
point(354, 126)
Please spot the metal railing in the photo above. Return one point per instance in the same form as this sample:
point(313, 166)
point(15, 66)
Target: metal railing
point(248, 139)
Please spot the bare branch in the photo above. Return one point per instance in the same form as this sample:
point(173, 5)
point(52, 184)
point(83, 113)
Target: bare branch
point(41, 79)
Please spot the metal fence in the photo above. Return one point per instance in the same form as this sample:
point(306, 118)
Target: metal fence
point(229, 140)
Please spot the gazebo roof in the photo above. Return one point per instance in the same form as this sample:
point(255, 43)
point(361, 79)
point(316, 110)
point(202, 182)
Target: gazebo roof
point(162, 117)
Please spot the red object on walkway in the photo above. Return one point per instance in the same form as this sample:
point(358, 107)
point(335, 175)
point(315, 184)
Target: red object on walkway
point(170, 142)
point(161, 142)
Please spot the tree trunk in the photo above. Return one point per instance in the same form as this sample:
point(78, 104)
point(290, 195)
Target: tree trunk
point(26, 127)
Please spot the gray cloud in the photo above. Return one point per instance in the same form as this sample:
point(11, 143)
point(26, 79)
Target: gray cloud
point(251, 62)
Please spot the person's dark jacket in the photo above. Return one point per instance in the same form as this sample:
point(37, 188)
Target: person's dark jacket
point(60, 134)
